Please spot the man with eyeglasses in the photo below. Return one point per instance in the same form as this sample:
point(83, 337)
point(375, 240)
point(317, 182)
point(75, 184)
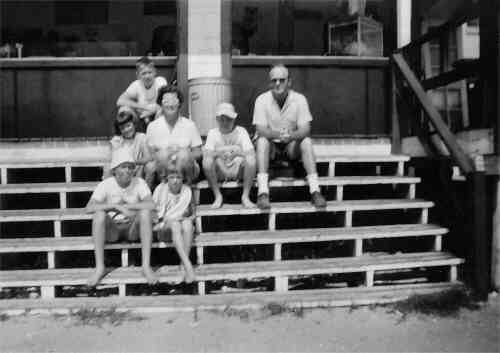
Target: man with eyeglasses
point(283, 124)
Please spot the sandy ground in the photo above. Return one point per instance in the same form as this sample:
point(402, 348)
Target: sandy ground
point(321, 330)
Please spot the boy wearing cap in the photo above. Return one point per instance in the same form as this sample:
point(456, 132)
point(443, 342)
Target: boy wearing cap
point(141, 94)
point(128, 137)
point(121, 207)
point(175, 214)
point(228, 154)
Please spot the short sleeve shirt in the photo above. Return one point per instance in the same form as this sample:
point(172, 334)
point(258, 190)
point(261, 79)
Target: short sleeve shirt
point(108, 191)
point(237, 138)
point(143, 95)
point(137, 145)
point(183, 134)
point(172, 206)
point(294, 112)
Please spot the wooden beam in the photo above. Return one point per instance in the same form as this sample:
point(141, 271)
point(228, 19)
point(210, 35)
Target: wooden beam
point(444, 132)
point(182, 52)
point(489, 58)
point(449, 77)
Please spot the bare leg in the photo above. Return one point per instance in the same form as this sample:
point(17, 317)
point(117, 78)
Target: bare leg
point(99, 235)
point(263, 148)
point(146, 239)
point(211, 175)
point(307, 154)
point(249, 166)
point(179, 246)
point(187, 235)
point(186, 162)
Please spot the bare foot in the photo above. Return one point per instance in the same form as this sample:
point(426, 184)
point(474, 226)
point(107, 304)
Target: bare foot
point(189, 276)
point(150, 275)
point(218, 201)
point(245, 201)
point(96, 277)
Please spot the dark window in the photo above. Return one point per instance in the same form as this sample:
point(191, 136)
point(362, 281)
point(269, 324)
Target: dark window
point(160, 7)
point(81, 12)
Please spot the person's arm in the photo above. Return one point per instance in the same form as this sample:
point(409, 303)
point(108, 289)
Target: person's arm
point(129, 98)
point(267, 132)
point(302, 131)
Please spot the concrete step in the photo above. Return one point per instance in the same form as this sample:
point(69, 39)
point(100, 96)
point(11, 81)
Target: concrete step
point(297, 299)
point(218, 239)
point(280, 271)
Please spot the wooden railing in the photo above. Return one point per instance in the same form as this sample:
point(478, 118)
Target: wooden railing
point(423, 119)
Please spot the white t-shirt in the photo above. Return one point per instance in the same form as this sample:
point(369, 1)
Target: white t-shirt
point(294, 112)
point(184, 134)
point(238, 138)
point(139, 93)
point(108, 191)
point(172, 206)
point(137, 145)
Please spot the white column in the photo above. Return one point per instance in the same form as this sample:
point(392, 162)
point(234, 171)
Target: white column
point(403, 10)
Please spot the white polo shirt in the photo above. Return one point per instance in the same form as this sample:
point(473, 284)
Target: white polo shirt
point(143, 95)
point(294, 112)
point(183, 134)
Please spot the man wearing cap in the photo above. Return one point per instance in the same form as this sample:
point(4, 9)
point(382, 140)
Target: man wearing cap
point(127, 136)
point(121, 206)
point(174, 138)
point(283, 124)
point(229, 155)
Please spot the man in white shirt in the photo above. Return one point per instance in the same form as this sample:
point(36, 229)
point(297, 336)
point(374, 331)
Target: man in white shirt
point(174, 138)
point(283, 124)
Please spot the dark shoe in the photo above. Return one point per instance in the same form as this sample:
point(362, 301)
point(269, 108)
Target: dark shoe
point(318, 200)
point(263, 202)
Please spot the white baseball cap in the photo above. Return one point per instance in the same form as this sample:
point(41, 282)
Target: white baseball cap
point(226, 109)
point(121, 155)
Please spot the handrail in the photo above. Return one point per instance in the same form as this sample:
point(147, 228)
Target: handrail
point(444, 132)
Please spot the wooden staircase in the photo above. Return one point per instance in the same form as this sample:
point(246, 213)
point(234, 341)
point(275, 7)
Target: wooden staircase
point(342, 224)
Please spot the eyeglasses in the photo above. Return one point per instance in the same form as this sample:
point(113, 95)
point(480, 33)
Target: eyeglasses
point(128, 166)
point(278, 80)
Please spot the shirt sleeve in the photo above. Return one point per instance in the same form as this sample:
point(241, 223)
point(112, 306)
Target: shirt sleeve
point(245, 141)
point(259, 112)
point(143, 189)
point(132, 90)
point(144, 152)
point(304, 112)
point(100, 195)
point(195, 136)
point(161, 81)
point(210, 142)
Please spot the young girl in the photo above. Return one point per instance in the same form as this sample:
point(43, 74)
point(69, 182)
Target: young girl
point(127, 137)
point(175, 215)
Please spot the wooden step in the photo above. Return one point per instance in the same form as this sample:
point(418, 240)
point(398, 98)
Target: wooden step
point(228, 209)
point(279, 270)
point(280, 182)
point(300, 299)
point(211, 239)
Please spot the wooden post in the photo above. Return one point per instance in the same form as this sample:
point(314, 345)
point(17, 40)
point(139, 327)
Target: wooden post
point(395, 128)
point(182, 55)
point(476, 224)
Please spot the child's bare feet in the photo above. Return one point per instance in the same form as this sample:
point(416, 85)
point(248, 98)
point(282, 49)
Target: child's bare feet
point(149, 274)
point(218, 201)
point(245, 201)
point(96, 277)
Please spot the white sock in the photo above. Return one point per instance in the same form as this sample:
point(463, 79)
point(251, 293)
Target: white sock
point(262, 183)
point(312, 179)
